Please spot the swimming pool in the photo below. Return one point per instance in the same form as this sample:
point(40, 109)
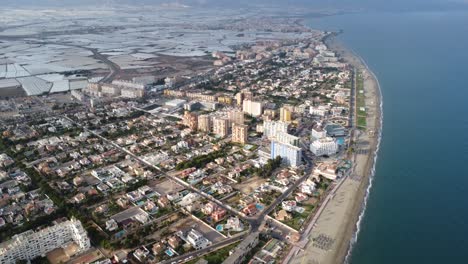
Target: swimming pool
point(219, 228)
point(169, 252)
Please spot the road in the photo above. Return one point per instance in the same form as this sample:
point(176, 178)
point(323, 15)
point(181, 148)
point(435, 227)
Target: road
point(201, 252)
point(255, 222)
point(305, 236)
point(113, 67)
point(173, 178)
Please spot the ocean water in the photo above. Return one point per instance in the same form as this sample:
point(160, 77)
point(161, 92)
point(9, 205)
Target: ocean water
point(417, 211)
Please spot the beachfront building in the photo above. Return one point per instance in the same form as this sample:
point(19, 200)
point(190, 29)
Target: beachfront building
point(252, 108)
point(335, 130)
point(32, 244)
point(290, 154)
point(271, 129)
point(324, 147)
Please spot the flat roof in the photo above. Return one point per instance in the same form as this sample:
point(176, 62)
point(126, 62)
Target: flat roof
point(9, 83)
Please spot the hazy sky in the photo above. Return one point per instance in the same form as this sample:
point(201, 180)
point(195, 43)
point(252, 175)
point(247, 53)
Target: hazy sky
point(366, 4)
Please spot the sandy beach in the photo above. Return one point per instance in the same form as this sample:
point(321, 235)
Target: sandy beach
point(335, 227)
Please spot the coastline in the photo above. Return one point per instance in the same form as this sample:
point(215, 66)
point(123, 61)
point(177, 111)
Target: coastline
point(342, 214)
point(371, 83)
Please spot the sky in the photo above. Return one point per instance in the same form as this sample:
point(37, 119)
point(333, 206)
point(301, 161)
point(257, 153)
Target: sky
point(355, 4)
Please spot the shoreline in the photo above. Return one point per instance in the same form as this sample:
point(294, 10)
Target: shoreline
point(342, 215)
point(363, 193)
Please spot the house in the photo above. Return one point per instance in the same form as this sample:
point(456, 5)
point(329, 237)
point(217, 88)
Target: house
point(111, 225)
point(78, 198)
point(218, 215)
point(300, 197)
point(251, 209)
point(282, 215)
point(289, 205)
point(234, 224)
point(174, 242)
point(164, 202)
point(141, 254)
point(195, 239)
point(157, 248)
point(308, 187)
point(246, 201)
point(209, 208)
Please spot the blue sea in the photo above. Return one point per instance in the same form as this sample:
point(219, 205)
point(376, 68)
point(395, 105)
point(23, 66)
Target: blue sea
point(417, 211)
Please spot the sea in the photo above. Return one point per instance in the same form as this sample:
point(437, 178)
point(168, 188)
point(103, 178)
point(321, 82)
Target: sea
point(417, 208)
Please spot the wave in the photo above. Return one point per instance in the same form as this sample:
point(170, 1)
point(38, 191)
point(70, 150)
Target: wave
point(371, 178)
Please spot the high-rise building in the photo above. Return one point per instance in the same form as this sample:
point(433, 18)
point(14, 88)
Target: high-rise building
point(248, 95)
point(252, 108)
point(270, 113)
point(240, 133)
point(287, 139)
point(285, 114)
point(236, 117)
point(30, 244)
point(239, 98)
point(324, 147)
point(290, 154)
point(272, 128)
point(221, 126)
point(204, 123)
point(190, 120)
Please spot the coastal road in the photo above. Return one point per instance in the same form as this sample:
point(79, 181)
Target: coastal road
point(305, 236)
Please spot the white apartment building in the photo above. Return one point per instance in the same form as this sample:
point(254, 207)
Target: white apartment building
point(30, 244)
point(319, 110)
point(324, 146)
point(252, 107)
point(290, 154)
point(271, 129)
point(287, 139)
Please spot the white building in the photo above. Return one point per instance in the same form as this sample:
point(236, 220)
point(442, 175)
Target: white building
point(287, 139)
point(324, 146)
point(252, 108)
point(271, 129)
point(318, 132)
point(319, 110)
point(290, 154)
point(195, 238)
point(30, 244)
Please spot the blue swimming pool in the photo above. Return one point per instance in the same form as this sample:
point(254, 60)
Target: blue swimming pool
point(169, 252)
point(259, 207)
point(219, 228)
point(340, 140)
